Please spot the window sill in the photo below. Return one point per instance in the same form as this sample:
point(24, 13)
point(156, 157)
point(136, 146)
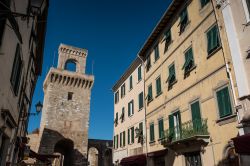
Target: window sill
point(149, 101)
point(227, 119)
point(140, 109)
point(158, 94)
point(139, 81)
point(130, 89)
point(187, 73)
point(213, 52)
point(152, 142)
point(170, 86)
point(160, 139)
point(130, 115)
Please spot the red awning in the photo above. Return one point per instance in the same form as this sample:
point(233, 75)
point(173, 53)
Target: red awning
point(242, 144)
point(139, 160)
point(158, 153)
point(41, 157)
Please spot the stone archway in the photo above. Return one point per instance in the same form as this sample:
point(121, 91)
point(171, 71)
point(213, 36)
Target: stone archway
point(65, 147)
point(93, 156)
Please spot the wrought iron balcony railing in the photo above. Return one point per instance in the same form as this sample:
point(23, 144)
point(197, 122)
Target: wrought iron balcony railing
point(192, 128)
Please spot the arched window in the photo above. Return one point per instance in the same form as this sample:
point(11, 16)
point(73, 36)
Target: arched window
point(70, 65)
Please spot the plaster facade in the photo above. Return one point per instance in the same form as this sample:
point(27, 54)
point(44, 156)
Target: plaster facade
point(21, 56)
point(123, 149)
point(210, 73)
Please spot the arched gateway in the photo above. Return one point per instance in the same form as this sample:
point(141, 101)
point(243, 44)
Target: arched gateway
point(65, 119)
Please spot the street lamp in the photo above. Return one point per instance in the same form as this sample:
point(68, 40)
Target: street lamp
point(39, 108)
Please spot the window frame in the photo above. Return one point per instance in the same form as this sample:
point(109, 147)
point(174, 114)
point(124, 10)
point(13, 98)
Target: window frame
point(148, 63)
point(167, 43)
point(161, 135)
point(131, 82)
point(156, 52)
point(231, 102)
point(116, 96)
point(16, 73)
point(182, 25)
point(218, 46)
point(140, 101)
point(158, 81)
point(123, 90)
point(150, 99)
point(170, 83)
point(131, 108)
point(187, 71)
point(246, 10)
point(151, 133)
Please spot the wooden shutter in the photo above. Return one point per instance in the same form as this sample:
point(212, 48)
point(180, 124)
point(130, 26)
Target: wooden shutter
point(158, 85)
point(224, 102)
point(161, 128)
point(152, 134)
point(171, 125)
point(132, 135)
point(124, 138)
point(129, 111)
point(120, 139)
point(156, 51)
point(128, 136)
point(196, 115)
point(141, 127)
point(130, 82)
point(140, 100)
point(139, 73)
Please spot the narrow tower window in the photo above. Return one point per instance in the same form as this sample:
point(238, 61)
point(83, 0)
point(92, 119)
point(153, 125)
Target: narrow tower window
point(70, 95)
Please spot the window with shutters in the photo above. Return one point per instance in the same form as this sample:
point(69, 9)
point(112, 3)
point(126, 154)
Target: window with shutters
point(131, 108)
point(148, 63)
point(161, 128)
point(123, 138)
point(128, 136)
point(140, 99)
point(16, 71)
point(123, 90)
point(168, 40)
point(122, 115)
point(189, 62)
point(213, 40)
point(139, 73)
point(150, 93)
point(141, 127)
point(114, 145)
point(156, 53)
point(116, 119)
point(130, 82)
point(132, 135)
point(224, 102)
point(196, 115)
point(116, 97)
point(117, 140)
point(204, 3)
point(171, 76)
point(175, 125)
point(246, 6)
point(183, 20)
point(4, 5)
point(152, 132)
point(158, 86)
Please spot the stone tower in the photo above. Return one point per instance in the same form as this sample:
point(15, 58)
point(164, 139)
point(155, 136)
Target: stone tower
point(65, 118)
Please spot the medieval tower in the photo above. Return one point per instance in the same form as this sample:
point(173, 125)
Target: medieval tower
point(65, 118)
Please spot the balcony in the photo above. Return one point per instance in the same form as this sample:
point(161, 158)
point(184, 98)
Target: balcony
point(192, 133)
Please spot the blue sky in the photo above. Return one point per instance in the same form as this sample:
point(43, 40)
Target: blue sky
point(113, 31)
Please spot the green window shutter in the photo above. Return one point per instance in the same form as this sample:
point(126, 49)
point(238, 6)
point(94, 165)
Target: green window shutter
point(132, 135)
point(224, 102)
point(204, 2)
point(114, 142)
point(148, 65)
point(171, 76)
point(152, 133)
point(120, 139)
point(150, 94)
point(130, 82)
point(158, 85)
point(196, 115)
point(213, 39)
point(132, 103)
point(161, 128)
point(139, 73)
point(189, 60)
point(171, 125)
point(128, 136)
point(129, 109)
point(140, 100)
point(141, 127)
point(124, 138)
point(156, 52)
point(248, 6)
point(183, 16)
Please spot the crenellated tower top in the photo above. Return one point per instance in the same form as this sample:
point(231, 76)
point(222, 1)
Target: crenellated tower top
point(69, 54)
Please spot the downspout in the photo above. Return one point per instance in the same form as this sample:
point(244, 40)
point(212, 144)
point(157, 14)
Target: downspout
point(142, 64)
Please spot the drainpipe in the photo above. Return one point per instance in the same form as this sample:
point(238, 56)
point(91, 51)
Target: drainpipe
point(142, 64)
